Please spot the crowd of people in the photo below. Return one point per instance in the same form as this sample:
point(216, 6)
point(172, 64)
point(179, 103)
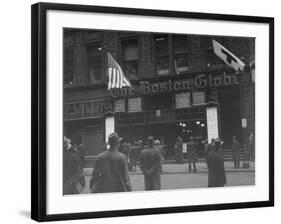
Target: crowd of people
point(112, 166)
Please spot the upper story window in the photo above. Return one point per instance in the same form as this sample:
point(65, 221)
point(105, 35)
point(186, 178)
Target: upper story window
point(68, 66)
point(161, 54)
point(94, 63)
point(130, 55)
point(180, 51)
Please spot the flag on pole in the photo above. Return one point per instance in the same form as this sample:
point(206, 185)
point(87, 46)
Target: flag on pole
point(116, 77)
point(229, 58)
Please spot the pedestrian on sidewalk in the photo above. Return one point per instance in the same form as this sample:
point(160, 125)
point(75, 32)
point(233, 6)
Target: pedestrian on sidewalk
point(192, 154)
point(150, 160)
point(110, 173)
point(178, 150)
point(251, 146)
point(215, 163)
point(235, 152)
point(71, 169)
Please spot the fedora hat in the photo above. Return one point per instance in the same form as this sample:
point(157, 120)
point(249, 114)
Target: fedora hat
point(114, 138)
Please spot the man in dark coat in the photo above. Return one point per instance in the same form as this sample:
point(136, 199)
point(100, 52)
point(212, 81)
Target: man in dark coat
point(178, 150)
point(215, 163)
point(251, 146)
point(71, 169)
point(150, 160)
point(235, 152)
point(192, 154)
point(111, 170)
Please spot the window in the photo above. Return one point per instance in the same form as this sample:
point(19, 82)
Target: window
point(119, 105)
point(130, 58)
point(94, 57)
point(73, 111)
point(198, 98)
point(68, 66)
point(161, 53)
point(180, 51)
point(182, 100)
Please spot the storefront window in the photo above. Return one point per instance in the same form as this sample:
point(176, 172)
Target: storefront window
point(198, 98)
point(119, 105)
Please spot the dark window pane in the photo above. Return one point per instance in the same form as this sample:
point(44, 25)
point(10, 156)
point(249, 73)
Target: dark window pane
point(161, 45)
point(130, 49)
point(68, 66)
point(94, 55)
point(179, 44)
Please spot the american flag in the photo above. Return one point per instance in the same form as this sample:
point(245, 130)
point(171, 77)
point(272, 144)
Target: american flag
point(116, 77)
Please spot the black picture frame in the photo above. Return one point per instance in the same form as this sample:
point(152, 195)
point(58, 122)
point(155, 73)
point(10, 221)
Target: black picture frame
point(39, 114)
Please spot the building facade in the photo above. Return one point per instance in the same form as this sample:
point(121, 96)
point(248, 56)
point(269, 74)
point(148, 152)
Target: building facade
point(180, 88)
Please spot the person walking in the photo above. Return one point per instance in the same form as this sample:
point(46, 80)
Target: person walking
point(192, 154)
point(251, 146)
point(110, 173)
point(235, 152)
point(215, 164)
point(150, 160)
point(178, 150)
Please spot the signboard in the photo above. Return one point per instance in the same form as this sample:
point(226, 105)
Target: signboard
point(198, 98)
point(182, 100)
point(201, 81)
point(212, 123)
point(184, 147)
point(244, 122)
point(134, 104)
point(119, 105)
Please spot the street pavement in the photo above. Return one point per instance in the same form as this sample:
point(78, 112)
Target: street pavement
point(176, 176)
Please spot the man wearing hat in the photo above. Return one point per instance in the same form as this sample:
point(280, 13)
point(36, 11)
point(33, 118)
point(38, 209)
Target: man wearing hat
point(110, 173)
point(215, 163)
point(150, 160)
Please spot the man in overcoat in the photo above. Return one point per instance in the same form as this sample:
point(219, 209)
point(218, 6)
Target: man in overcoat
point(71, 168)
point(192, 154)
point(215, 163)
point(110, 173)
point(150, 160)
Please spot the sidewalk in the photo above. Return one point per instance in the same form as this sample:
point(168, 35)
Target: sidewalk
point(173, 168)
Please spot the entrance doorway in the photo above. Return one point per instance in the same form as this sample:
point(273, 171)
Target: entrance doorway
point(229, 104)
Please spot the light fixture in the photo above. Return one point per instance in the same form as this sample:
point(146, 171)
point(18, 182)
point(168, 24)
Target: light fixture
point(198, 122)
point(184, 125)
point(202, 125)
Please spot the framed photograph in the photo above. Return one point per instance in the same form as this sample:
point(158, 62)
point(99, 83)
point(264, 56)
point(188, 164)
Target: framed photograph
point(138, 111)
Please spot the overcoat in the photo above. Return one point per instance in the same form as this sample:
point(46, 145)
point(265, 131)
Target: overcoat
point(110, 173)
point(216, 172)
point(150, 164)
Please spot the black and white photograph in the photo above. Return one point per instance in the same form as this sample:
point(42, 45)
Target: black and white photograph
point(157, 111)
point(142, 111)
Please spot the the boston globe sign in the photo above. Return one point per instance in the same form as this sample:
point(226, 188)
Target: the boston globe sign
point(200, 81)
